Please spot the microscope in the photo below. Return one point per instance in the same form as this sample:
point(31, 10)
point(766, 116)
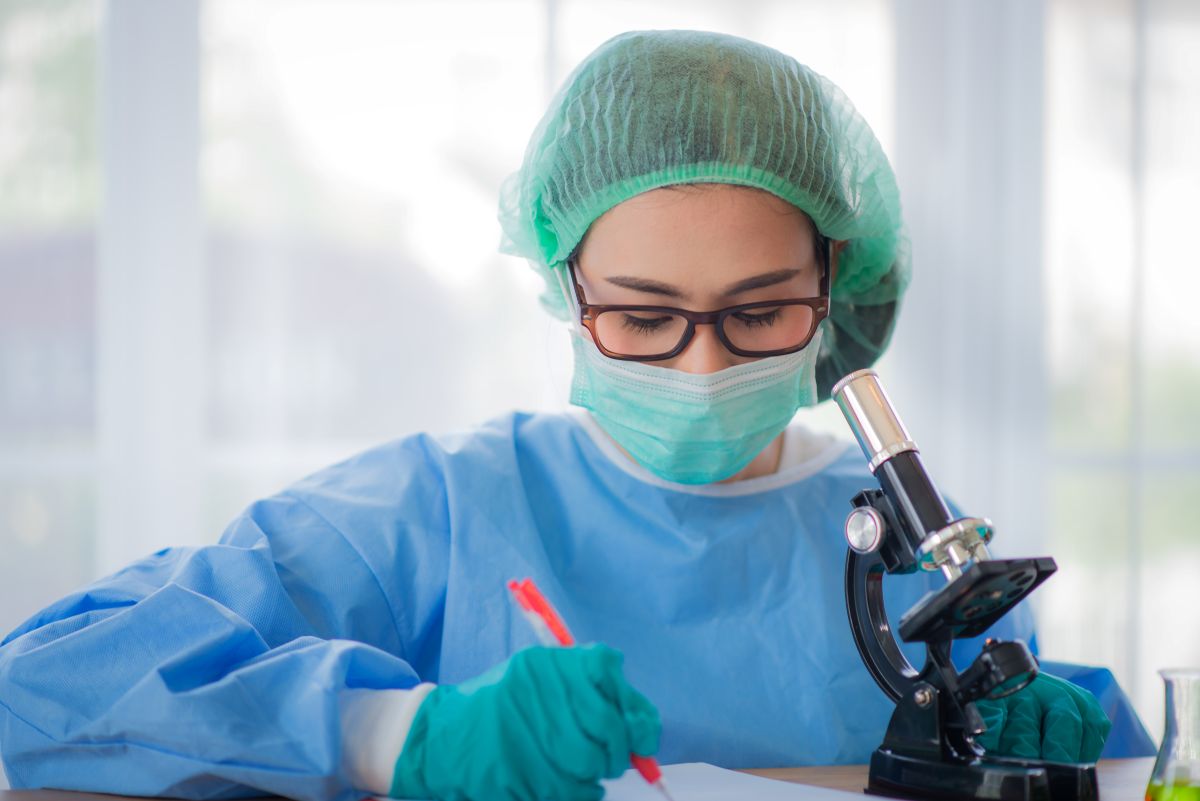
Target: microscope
point(904, 526)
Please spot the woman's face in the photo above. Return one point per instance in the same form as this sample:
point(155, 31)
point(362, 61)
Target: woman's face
point(701, 247)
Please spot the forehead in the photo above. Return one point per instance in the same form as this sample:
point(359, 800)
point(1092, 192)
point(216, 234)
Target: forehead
point(698, 227)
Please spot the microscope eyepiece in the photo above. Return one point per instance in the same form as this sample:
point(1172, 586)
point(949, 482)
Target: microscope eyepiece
point(872, 417)
point(940, 541)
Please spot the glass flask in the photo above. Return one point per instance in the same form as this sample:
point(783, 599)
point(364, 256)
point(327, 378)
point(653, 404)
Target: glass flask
point(1176, 775)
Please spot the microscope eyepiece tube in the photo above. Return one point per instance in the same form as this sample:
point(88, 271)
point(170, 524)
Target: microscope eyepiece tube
point(872, 418)
point(891, 454)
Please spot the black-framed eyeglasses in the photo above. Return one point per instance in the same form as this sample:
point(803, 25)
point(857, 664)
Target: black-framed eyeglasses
point(652, 333)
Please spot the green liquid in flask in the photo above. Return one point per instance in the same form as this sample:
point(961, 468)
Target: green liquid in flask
point(1176, 774)
point(1172, 792)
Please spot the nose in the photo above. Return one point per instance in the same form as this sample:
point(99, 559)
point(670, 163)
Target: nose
point(705, 353)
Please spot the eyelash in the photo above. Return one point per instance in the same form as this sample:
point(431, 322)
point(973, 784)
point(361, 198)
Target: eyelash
point(643, 325)
point(755, 320)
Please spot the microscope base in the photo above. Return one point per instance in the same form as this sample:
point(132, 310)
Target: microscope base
point(898, 776)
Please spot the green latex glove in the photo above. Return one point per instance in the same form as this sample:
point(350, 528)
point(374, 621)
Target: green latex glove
point(546, 723)
point(1049, 719)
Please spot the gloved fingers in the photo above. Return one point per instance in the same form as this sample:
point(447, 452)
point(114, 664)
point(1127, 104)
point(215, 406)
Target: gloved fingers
point(1095, 734)
point(1050, 688)
point(1022, 733)
point(578, 730)
point(1062, 730)
point(1095, 724)
point(591, 737)
point(642, 724)
point(536, 726)
point(602, 662)
point(994, 714)
point(539, 735)
point(601, 721)
point(1096, 727)
point(534, 702)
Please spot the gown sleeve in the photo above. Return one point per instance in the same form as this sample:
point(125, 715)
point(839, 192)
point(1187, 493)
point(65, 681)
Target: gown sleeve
point(221, 671)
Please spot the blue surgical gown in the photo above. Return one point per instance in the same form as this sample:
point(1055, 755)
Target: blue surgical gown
point(217, 671)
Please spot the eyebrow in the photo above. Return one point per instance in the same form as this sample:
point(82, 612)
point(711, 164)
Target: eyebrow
point(670, 291)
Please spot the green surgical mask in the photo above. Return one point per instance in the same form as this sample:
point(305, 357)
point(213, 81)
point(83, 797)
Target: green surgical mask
point(693, 428)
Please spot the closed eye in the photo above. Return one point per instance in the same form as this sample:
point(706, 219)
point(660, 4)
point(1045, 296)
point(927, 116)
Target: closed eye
point(644, 325)
point(757, 319)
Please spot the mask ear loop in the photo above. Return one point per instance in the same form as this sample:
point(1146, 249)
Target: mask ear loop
point(569, 297)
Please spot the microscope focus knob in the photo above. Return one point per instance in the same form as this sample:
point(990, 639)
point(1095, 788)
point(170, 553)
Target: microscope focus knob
point(865, 529)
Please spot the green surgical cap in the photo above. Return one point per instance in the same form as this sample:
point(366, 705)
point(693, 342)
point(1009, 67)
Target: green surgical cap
point(654, 108)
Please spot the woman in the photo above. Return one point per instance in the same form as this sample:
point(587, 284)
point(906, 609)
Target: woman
point(352, 634)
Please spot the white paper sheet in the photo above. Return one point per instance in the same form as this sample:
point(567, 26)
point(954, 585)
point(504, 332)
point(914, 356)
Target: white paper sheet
point(699, 781)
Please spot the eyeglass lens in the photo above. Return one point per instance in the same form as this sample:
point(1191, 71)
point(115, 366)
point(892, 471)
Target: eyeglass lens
point(648, 333)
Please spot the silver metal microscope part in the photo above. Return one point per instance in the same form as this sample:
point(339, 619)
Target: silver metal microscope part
point(865, 529)
point(949, 549)
point(872, 418)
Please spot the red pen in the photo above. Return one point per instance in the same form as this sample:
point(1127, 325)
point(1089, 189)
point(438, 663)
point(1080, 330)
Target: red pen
point(551, 630)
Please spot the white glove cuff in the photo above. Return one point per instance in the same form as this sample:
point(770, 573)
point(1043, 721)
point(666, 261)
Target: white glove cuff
point(375, 724)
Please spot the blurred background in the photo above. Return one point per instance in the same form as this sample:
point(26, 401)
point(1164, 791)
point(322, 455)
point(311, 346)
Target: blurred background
point(242, 239)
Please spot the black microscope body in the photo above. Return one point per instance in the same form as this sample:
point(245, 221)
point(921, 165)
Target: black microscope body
point(904, 525)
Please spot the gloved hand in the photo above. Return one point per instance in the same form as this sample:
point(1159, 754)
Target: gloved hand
point(1049, 719)
point(546, 723)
